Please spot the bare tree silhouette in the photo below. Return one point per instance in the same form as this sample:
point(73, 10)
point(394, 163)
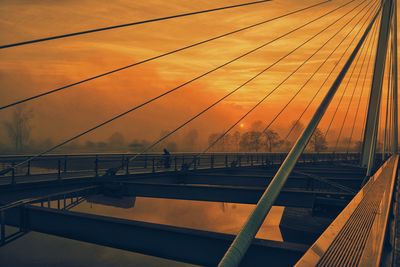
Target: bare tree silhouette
point(19, 128)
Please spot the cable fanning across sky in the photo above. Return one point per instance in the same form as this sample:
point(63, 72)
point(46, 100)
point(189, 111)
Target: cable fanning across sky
point(129, 24)
point(368, 96)
point(58, 89)
point(243, 239)
point(322, 85)
point(352, 95)
point(173, 89)
point(251, 79)
point(312, 76)
point(340, 101)
point(255, 106)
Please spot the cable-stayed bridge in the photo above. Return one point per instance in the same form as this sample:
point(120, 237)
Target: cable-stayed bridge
point(342, 205)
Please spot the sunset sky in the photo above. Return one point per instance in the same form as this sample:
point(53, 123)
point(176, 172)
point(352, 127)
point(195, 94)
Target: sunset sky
point(28, 70)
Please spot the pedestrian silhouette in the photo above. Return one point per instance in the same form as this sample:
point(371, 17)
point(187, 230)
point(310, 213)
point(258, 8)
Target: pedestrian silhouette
point(167, 159)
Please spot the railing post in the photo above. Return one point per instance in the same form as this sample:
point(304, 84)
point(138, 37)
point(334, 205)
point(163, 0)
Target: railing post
point(96, 166)
point(145, 161)
point(153, 165)
point(28, 171)
point(194, 163)
point(212, 161)
point(59, 169)
point(251, 160)
point(226, 160)
point(127, 166)
point(13, 173)
point(65, 164)
point(175, 163)
point(2, 227)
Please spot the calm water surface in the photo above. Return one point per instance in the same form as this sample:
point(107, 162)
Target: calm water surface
point(35, 249)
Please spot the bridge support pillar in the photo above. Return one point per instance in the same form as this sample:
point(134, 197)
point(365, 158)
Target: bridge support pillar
point(371, 127)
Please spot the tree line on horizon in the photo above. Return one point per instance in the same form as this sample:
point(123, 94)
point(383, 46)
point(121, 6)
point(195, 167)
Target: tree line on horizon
point(254, 139)
point(257, 139)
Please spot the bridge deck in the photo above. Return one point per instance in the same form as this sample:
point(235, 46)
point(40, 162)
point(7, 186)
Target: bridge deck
point(311, 185)
point(356, 236)
point(60, 167)
point(243, 185)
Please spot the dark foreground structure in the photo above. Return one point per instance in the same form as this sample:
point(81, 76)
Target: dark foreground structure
point(319, 188)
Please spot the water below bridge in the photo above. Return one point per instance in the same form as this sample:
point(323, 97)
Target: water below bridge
point(35, 249)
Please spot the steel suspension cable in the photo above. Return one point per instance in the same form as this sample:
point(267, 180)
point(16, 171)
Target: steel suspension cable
point(88, 79)
point(254, 107)
point(380, 123)
point(366, 111)
point(312, 76)
point(385, 114)
point(354, 90)
point(391, 115)
point(243, 239)
point(242, 85)
point(362, 88)
point(385, 130)
point(167, 92)
point(390, 121)
point(340, 100)
point(130, 24)
point(324, 82)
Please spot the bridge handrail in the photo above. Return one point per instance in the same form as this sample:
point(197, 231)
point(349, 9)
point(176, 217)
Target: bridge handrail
point(5, 156)
point(374, 215)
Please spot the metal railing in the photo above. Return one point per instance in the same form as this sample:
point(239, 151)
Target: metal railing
point(62, 200)
point(358, 236)
point(53, 167)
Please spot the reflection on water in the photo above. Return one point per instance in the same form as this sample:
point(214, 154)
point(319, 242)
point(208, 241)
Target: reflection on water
point(38, 250)
point(202, 215)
